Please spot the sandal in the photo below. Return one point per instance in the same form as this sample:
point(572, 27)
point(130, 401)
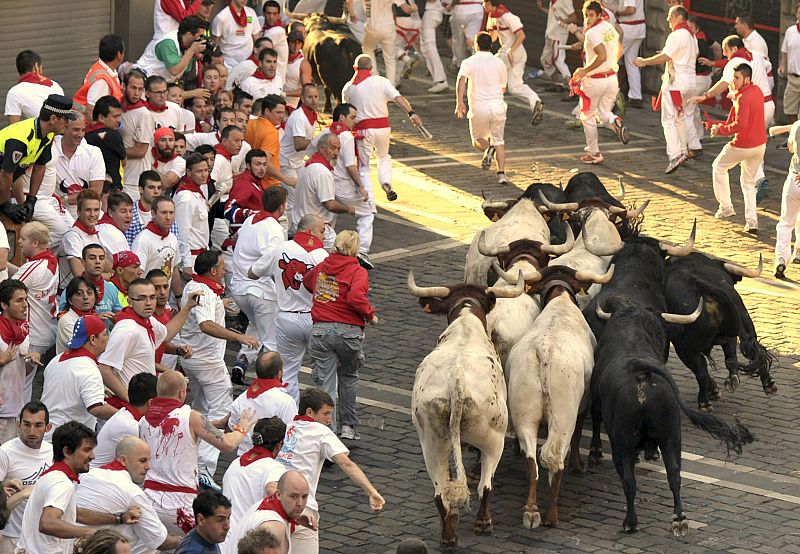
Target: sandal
point(391, 195)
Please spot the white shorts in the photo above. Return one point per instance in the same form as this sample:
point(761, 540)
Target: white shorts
point(488, 120)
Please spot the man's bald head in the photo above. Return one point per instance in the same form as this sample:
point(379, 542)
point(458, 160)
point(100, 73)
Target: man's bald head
point(293, 492)
point(269, 365)
point(134, 453)
point(292, 480)
point(363, 61)
point(308, 221)
point(130, 446)
point(170, 384)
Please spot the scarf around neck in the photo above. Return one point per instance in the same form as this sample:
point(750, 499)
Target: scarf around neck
point(271, 503)
point(260, 386)
point(160, 408)
point(35, 78)
point(63, 468)
point(156, 230)
point(13, 332)
point(128, 313)
point(218, 288)
point(253, 455)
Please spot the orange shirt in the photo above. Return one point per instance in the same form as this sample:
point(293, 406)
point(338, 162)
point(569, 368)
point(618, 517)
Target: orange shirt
point(263, 135)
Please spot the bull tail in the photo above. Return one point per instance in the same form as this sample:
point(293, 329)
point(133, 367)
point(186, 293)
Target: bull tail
point(550, 453)
point(456, 493)
point(734, 437)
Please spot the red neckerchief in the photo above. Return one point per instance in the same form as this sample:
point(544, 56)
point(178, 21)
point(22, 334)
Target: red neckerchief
point(253, 59)
point(162, 318)
point(241, 18)
point(153, 108)
point(311, 115)
point(600, 19)
point(701, 35)
point(94, 127)
point(360, 75)
point(191, 186)
point(13, 332)
point(294, 57)
point(337, 128)
point(260, 386)
point(63, 468)
point(499, 12)
point(35, 78)
point(198, 127)
point(218, 288)
point(138, 104)
point(52, 261)
point(141, 207)
point(107, 220)
point(262, 215)
point(115, 465)
point(303, 418)
point(266, 27)
point(743, 53)
point(81, 313)
point(798, 26)
point(222, 151)
point(158, 159)
point(128, 313)
point(100, 285)
point(253, 455)
point(273, 504)
point(123, 290)
point(308, 241)
point(683, 26)
point(79, 224)
point(155, 229)
point(160, 408)
point(77, 353)
point(134, 412)
point(258, 74)
point(318, 158)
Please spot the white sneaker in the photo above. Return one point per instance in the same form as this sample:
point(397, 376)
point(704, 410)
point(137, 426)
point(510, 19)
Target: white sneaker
point(439, 87)
point(725, 212)
point(349, 433)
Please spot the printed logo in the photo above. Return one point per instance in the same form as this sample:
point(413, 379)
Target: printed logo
point(16, 157)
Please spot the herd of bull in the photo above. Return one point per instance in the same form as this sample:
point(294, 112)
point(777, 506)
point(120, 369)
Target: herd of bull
point(586, 331)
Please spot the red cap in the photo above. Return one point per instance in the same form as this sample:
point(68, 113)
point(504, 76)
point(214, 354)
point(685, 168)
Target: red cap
point(126, 258)
point(85, 328)
point(163, 132)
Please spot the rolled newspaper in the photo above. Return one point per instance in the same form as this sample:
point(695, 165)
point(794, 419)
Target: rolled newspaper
point(424, 132)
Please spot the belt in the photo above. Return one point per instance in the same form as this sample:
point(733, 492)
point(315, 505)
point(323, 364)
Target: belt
point(603, 75)
point(637, 22)
point(197, 251)
point(768, 99)
point(298, 311)
point(373, 123)
point(163, 487)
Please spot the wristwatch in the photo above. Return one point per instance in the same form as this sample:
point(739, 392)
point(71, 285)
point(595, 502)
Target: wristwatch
point(119, 517)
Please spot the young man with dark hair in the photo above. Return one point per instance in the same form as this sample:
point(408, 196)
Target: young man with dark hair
point(191, 212)
point(102, 78)
point(298, 70)
point(265, 80)
point(262, 133)
point(246, 68)
point(79, 165)
point(115, 221)
point(176, 54)
point(104, 134)
point(242, 102)
point(212, 514)
point(150, 188)
point(163, 313)
point(234, 31)
point(273, 29)
point(156, 246)
point(25, 99)
point(244, 199)
point(165, 114)
point(81, 234)
point(137, 132)
point(93, 258)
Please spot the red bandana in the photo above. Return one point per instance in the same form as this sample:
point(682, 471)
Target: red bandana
point(138, 104)
point(218, 288)
point(311, 115)
point(253, 455)
point(260, 386)
point(36, 79)
point(499, 12)
point(153, 108)
point(81, 313)
point(266, 27)
point(160, 408)
point(308, 241)
point(128, 313)
point(262, 215)
point(240, 18)
point(94, 127)
point(156, 230)
point(683, 26)
point(258, 74)
point(191, 186)
point(115, 465)
point(63, 468)
point(100, 285)
point(108, 221)
point(318, 158)
point(77, 353)
point(360, 75)
point(79, 224)
point(13, 332)
point(273, 504)
point(337, 128)
point(158, 159)
point(295, 57)
point(52, 261)
point(222, 151)
point(119, 286)
point(743, 53)
point(303, 418)
point(134, 412)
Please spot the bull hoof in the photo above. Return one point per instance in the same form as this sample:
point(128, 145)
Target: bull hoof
point(448, 543)
point(637, 459)
point(577, 466)
point(595, 459)
point(705, 407)
point(532, 519)
point(680, 527)
point(770, 388)
point(550, 522)
point(652, 455)
point(483, 528)
point(714, 393)
point(732, 382)
point(630, 528)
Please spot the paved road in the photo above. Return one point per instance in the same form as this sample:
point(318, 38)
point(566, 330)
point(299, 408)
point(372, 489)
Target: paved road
point(746, 503)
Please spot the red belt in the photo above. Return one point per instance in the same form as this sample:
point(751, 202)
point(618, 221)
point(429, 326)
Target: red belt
point(373, 123)
point(768, 99)
point(603, 75)
point(197, 251)
point(637, 22)
point(163, 487)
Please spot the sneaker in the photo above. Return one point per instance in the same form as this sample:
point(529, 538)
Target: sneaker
point(675, 164)
point(349, 433)
point(238, 371)
point(411, 63)
point(620, 102)
point(501, 178)
point(635, 103)
point(535, 73)
point(780, 268)
point(488, 156)
point(592, 158)
point(441, 86)
point(723, 213)
point(761, 190)
point(363, 260)
point(621, 131)
point(796, 258)
point(751, 228)
point(208, 483)
point(538, 113)
point(573, 123)
point(696, 153)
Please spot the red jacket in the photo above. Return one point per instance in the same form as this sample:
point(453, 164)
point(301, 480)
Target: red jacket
point(244, 199)
point(746, 118)
point(340, 286)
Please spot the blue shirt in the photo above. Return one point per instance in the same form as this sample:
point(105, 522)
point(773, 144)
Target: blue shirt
point(109, 303)
point(193, 543)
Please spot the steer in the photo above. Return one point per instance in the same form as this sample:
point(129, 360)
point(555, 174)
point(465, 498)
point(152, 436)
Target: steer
point(635, 396)
point(549, 371)
point(586, 185)
point(724, 319)
point(460, 395)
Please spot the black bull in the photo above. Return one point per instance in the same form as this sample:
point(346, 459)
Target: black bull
point(331, 49)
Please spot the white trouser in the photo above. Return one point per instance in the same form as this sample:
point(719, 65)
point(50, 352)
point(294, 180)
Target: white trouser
point(386, 37)
point(630, 51)
point(749, 159)
point(292, 331)
point(174, 509)
point(261, 313)
point(678, 130)
point(487, 120)
point(374, 141)
point(602, 93)
point(790, 208)
point(305, 540)
point(212, 398)
point(357, 28)
point(289, 194)
point(702, 84)
point(48, 212)
point(408, 24)
point(554, 58)
point(330, 235)
point(465, 25)
point(769, 116)
point(516, 86)
point(431, 19)
point(346, 193)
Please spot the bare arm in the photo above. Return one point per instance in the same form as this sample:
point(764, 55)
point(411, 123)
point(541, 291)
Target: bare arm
point(656, 59)
point(14, 119)
point(113, 382)
point(103, 411)
point(137, 151)
point(50, 523)
point(170, 543)
point(338, 208)
point(278, 530)
point(300, 143)
point(275, 173)
point(781, 70)
point(179, 320)
point(90, 517)
point(76, 266)
point(358, 477)
point(217, 331)
point(203, 429)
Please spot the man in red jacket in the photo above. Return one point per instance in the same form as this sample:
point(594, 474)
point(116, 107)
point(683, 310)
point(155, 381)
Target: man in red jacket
point(746, 123)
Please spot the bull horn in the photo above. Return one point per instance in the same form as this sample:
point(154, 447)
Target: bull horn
point(736, 269)
point(616, 210)
point(297, 16)
point(621, 188)
point(558, 249)
point(555, 207)
point(483, 194)
point(684, 319)
point(511, 278)
point(633, 214)
point(504, 292)
point(590, 277)
point(498, 204)
point(684, 250)
point(337, 20)
point(605, 316)
point(486, 251)
point(426, 292)
point(604, 250)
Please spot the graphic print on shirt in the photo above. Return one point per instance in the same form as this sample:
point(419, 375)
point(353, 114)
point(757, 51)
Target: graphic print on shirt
point(31, 479)
point(292, 271)
point(168, 427)
point(72, 188)
point(327, 288)
point(167, 258)
point(287, 450)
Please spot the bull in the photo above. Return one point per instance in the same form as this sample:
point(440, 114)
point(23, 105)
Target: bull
point(460, 395)
point(495, 209)
point(723, 321)
point(636, 398)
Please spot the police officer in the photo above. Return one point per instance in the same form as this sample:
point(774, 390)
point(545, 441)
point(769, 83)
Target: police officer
point(27, 143)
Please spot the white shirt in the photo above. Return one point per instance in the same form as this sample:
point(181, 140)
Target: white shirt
point(239, 72)
point(122, 424)
point(291, 264)
point(137, 126)
point(306, 446)
point(191, 216)
point(292, 81)
point(557, 14)
point(633, 25)
point(506, 26)
point(297, 125)
point(255, 240)
point(758, 68)
point(112, 239)
point(235, 42)
point(252, 519)
point(155, 252)
point(605, 34)
point(113, 491)
point(172, 117)
point(247, 485)
point(42, 283)
point(26, 99)
point(206, 350)
point(487, 77)
point(791, 47)
point(794, 163)
point(12, 380)
point(259, 88)
point(756, 44)
point(273, 402)
point(100, 88)
point(345, 186)
point(378, 13)
point(65, 329)
point(279, 43)
point(54, 490)
point(370, 96)
point(71, 387)
point(17, 461)
point(130, 351)
point(176, 165)
point(222, 175)
point(85, 165)
point(162, 22)
point(681, 47)
point(314, 186)
point(72, 242)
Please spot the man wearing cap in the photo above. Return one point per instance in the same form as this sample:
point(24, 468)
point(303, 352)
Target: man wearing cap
point(27, 144)
point(78, 164)
point(136, 336)
point(73, 387)
point(102, 78)
point(127, 268)
point(25, 99)
point(167, 163)
point(298, 70)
